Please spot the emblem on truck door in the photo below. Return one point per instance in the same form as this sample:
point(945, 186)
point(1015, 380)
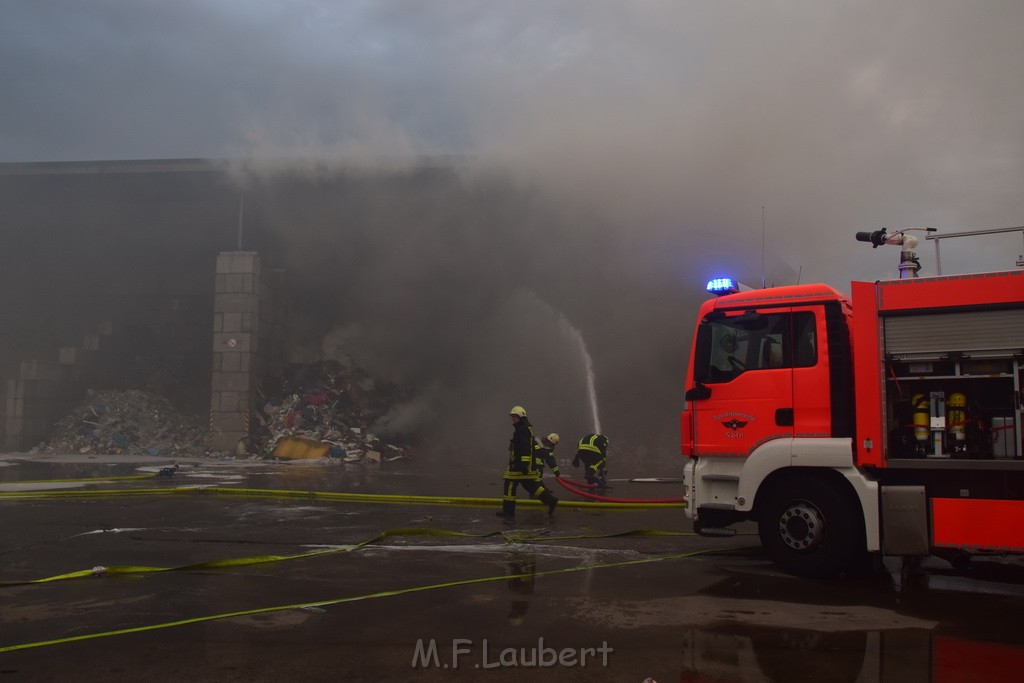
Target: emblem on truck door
point(734, 422)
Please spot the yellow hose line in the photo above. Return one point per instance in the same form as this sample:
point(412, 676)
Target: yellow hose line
point(355, 598)
point(128, 477)
point(509, 536)
point(379, 498)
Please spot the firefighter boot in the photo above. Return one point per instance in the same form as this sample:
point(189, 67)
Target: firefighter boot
point(550, 501)
point(508, 509)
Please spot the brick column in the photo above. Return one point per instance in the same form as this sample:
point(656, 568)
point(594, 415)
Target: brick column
point(243, 329)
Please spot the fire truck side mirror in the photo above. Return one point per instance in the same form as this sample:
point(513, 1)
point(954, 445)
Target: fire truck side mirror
point(701, 364)
point(697, 393)
point(702, 353)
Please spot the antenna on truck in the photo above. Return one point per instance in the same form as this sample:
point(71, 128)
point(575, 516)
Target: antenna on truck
point(763, 234)
point(909, 265)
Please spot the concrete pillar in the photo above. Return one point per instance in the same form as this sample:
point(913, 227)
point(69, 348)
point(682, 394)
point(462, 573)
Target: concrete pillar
point(32, 403)
point(244, 333)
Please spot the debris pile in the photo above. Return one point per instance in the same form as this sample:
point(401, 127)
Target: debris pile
point(130, 422)
point(309, 411)
point(324, 409)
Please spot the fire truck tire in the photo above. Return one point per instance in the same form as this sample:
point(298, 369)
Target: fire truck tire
point(810, 527)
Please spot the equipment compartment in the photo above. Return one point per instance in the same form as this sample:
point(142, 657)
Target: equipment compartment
point(953, 408)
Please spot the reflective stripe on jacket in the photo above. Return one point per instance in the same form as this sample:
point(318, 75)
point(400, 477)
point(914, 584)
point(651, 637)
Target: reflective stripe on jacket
point(598, 443)
point(542, 456)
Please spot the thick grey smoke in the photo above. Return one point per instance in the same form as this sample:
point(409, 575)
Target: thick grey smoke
point(664, 117)
point(611, 158)
point(463, 285)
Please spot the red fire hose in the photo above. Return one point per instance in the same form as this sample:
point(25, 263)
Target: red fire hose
point(577, 484)
point(566, 485)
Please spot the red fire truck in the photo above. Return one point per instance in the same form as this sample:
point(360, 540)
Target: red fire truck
point(888, 421)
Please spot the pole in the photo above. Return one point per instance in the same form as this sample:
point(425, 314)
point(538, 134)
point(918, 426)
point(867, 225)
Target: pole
point(241, 216)
point(763, 234)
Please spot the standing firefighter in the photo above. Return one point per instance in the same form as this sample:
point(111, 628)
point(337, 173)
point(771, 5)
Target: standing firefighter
point(593, 453)
point(522, 453)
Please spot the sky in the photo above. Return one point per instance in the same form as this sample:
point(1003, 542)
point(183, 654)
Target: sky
point(688, 139)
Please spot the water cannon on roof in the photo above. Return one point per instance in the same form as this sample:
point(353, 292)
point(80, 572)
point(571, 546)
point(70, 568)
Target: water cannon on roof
point(909, 265)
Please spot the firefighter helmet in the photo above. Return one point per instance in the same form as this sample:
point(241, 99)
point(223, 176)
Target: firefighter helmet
point(518, 411)
point(552, 437)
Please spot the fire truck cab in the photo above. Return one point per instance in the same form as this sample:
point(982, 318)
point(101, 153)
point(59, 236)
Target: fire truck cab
point(888, 422)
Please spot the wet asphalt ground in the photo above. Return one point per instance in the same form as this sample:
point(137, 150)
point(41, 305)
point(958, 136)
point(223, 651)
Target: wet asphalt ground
point(546, 599)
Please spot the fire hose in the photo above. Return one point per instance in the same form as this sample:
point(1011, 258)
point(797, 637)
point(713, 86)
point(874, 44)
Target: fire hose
point(567, 484)
point(577, 484)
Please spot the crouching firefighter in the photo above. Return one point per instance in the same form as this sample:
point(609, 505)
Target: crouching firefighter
point(522, 453)
point(544, 454)
point(592, 451)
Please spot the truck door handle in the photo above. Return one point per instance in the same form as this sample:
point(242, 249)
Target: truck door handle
point(784, 417)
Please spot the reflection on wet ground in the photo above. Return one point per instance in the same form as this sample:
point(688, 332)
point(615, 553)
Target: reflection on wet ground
point(898, 656)
point(936, 629)
point(451, 575)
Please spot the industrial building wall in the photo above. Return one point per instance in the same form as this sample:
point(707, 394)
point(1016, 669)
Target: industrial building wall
point(106, 279)
point(131, 248)
point(464, 284)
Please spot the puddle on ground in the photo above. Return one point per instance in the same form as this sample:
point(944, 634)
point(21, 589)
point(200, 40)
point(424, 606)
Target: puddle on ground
point(885, 656)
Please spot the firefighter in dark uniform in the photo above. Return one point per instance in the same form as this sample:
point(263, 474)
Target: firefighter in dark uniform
point(545, 455)
point(522, 468)
point(592, 451)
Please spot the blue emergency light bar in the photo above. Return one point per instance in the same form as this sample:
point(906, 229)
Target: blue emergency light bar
point(723, 285)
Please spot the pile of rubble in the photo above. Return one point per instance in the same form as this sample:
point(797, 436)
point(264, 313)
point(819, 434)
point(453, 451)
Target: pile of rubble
point(311, 410)
point(330, 409)
point(130, 422)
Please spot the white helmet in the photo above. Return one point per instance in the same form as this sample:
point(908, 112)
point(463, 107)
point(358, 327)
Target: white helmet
point(518, 411)
point(552, 437)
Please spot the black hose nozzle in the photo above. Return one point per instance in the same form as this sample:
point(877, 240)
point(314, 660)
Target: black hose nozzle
point(877, 238)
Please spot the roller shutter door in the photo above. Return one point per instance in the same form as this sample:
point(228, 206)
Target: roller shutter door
point(978, 332)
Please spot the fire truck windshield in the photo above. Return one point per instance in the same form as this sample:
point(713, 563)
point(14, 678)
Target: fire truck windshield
point(748, 342)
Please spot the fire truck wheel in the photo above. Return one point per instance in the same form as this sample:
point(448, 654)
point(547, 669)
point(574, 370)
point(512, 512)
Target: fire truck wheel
point(810, 527)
